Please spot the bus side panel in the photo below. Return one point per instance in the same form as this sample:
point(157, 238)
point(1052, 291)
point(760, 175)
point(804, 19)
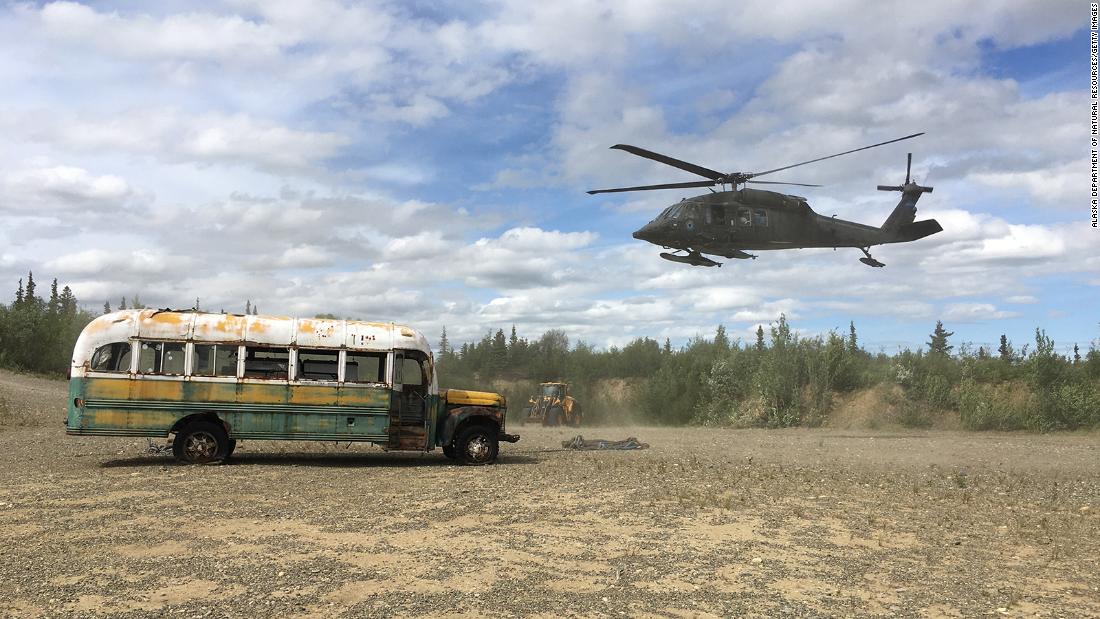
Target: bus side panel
point(109, 409)
point(74, 420)
point(372, 411)
point(144, 407)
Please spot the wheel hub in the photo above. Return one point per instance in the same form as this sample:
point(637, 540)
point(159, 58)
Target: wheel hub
point(478, 448)
point(201, 446)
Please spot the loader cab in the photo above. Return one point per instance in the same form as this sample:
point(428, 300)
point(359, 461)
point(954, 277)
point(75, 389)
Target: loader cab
point(553, 390)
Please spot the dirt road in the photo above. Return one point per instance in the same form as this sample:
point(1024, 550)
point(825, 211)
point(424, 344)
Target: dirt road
point(705, 523)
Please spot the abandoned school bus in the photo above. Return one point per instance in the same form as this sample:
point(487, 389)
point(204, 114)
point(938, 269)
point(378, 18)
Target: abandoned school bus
point(214, 379)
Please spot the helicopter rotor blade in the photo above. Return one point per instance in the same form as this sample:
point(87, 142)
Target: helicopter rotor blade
point(908, 165)
point(663, 186)
point(783, 183)
point(854, 150)
point(676, 163)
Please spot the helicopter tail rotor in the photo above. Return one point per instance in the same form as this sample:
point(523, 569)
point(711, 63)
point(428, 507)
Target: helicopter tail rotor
point(909, 186)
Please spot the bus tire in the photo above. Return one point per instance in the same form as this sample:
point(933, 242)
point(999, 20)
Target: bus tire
point(200, 442)
point(477, 445)
point(232, 446)
point(449, 451)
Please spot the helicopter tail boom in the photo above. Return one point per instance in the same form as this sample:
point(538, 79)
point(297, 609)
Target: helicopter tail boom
point(917, 230)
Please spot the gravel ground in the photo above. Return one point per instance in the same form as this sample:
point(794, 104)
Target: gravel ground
point(704, 523)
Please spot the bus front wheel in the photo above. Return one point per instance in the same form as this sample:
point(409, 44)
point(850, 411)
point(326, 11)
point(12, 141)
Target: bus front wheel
point(200, 442)
point(477, 444)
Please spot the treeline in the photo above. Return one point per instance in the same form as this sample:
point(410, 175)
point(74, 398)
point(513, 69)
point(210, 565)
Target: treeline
point(781, 379)
point(37, 333)
point(778, 380)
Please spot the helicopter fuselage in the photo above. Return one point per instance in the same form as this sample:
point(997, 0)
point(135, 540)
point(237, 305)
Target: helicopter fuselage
point(725, 222)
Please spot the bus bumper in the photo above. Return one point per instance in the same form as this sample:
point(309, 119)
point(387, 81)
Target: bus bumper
point(507, 438)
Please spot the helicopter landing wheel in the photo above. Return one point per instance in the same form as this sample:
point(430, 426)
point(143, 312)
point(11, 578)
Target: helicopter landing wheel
point(868, 260)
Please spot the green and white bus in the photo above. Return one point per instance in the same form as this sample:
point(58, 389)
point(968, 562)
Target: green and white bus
point(213, 379)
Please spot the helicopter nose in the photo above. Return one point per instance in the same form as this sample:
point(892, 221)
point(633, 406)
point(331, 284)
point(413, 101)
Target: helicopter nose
point(646, 232)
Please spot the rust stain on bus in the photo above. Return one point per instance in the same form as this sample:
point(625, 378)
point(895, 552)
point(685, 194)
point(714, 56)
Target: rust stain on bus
point(169, 318)
point(312, 395)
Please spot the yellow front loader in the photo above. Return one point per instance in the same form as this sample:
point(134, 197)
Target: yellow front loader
point(553, 406)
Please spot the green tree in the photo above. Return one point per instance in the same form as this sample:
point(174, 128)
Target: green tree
point(444, 344)
point(937, 344)
point(1005, 351)
point(721, 340)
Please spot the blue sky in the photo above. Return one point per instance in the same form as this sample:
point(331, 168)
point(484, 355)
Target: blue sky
point(427, 162)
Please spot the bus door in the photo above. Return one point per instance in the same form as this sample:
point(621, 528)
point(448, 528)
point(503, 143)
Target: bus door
point(409, 401)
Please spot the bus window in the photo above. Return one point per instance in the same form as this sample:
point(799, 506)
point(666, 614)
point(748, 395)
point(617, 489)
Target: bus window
point(161, 358)
point(149, 357)
point(365, 367)
point(214, 360)
point(411, 372)
point(318, 365)
point(173, 358)
point(270, 363)
point(112, 358)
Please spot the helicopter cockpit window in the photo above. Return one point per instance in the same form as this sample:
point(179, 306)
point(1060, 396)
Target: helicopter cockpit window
point(675, 214)
point(744, 217)
point(760, 217)
point(664, 214)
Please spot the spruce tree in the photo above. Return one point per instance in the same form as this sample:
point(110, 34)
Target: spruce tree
point(444, 345)
point(106, 307)
point(721, 340)
point(68, 302)
point(853, 343)
point(1005, 349)
point(53, 306)
point(760, 337)
point(28, 296)
point(937, 344)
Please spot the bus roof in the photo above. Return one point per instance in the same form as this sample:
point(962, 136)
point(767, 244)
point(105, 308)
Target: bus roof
point(200, 326)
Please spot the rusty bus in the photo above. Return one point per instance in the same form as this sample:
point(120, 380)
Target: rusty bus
point(213, 379)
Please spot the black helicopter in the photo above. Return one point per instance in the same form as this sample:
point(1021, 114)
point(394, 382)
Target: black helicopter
point(725, 223)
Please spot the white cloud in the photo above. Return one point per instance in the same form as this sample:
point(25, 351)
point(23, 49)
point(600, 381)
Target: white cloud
point(214, 109)
point(974, 312)
point(63, 188)
point(172, 135)
point(138, 262)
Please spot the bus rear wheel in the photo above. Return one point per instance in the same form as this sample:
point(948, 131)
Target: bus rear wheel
point(200, 442)
point(477, 445)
